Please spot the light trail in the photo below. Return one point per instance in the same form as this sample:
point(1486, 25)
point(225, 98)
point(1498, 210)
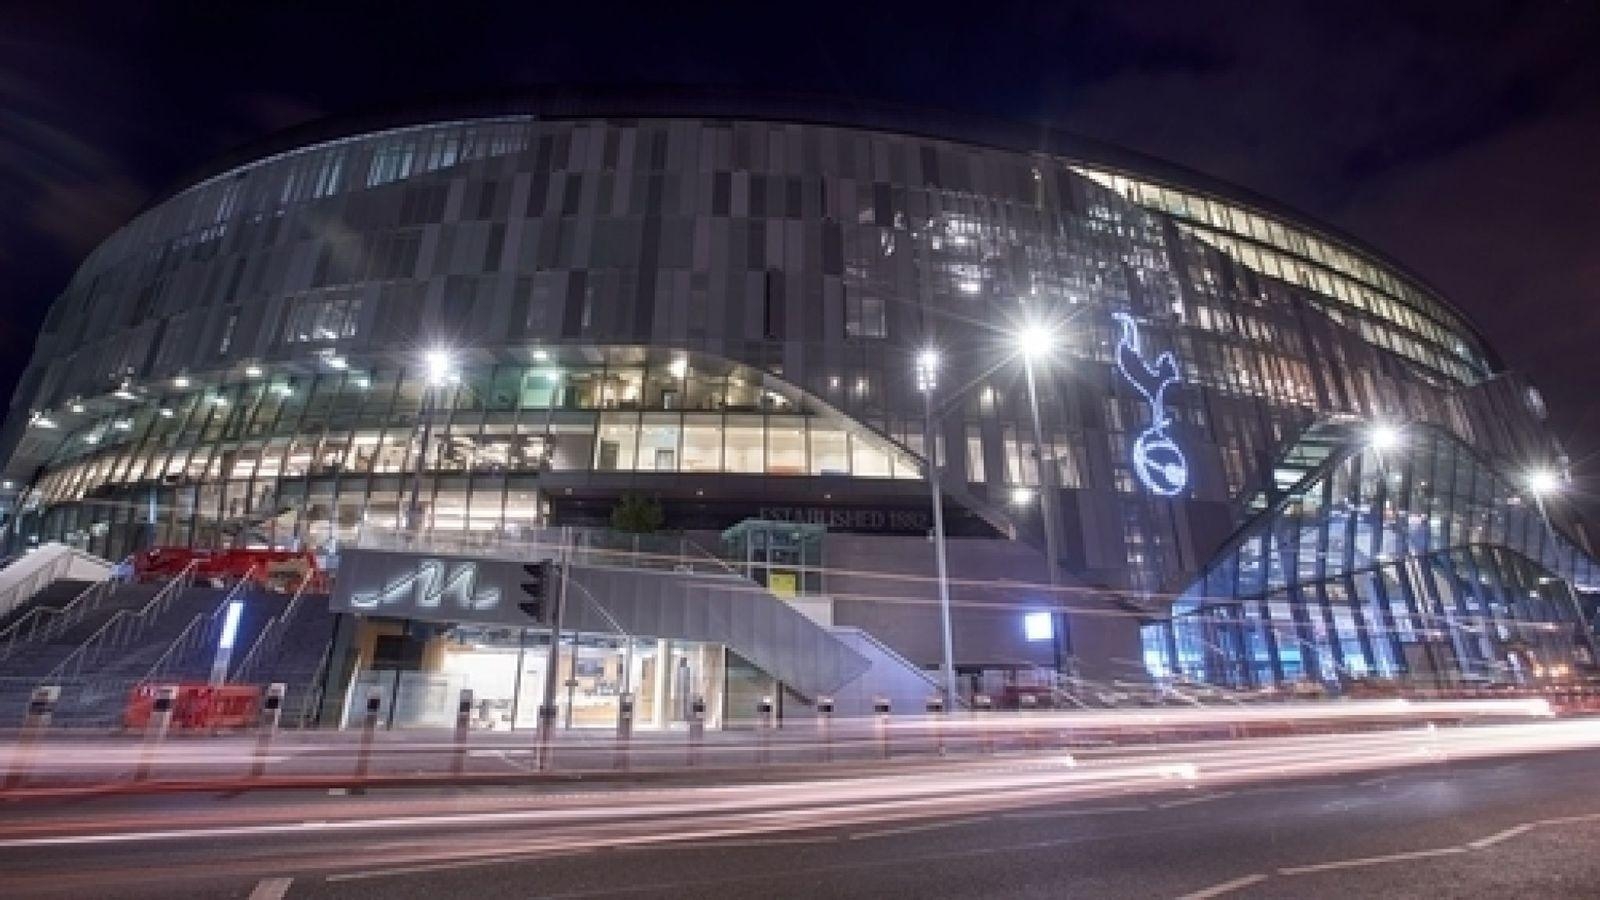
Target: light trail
point(972, 787)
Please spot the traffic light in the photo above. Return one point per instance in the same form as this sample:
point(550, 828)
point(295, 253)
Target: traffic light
point(539, 589)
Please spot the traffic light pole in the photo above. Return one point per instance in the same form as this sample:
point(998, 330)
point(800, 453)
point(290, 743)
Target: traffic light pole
point(547, 708)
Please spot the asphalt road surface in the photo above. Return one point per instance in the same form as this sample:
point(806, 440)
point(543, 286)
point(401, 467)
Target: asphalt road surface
point(1450, 824)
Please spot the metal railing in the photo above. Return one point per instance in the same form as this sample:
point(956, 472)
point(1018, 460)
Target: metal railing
point(124, 627)
point(590, 546)
point(311, 696)
point(17, 594)
point(42, 623)
point(200, 632)
point(271, 635)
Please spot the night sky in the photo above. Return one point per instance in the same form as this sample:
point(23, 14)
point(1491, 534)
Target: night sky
point(1459, 137)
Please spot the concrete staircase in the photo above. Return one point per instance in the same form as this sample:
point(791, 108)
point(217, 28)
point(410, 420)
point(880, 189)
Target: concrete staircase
point(890, 675)
point(54, 596)
point(97, 658)
point(291, 650)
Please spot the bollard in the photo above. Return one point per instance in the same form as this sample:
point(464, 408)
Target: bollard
point(369, 727)
point(1028, 703)
point(880, 705)
point(546, 736)
point(41, 706)
point(825, 727)
point(624, 730)
point(697, 728)
point(983, 703)
point(764, 731)
point(935, 709)
point(155, 731)
point(463, 723)
point(267, 728)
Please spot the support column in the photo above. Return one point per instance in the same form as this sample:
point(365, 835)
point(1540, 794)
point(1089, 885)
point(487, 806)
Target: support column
point(661, 683)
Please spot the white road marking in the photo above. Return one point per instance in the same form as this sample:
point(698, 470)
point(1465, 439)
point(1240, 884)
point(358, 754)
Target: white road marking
point(1226, 887)
point(1569, 820)
point(1379, 780)
point(1496, 838)
point(457, 864)
point(910, 829)
point(760, 842)
point(1063, 813)
point(271, 889)
point(1190, 801)
point(1370, 861)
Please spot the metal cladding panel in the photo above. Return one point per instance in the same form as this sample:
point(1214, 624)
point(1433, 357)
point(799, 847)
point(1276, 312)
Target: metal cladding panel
point(654, 603)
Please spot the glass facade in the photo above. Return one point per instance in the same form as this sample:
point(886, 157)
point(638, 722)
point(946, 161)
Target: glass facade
point(719, 311)
point(505, 670)
point(309, 460)
point(1419, 562)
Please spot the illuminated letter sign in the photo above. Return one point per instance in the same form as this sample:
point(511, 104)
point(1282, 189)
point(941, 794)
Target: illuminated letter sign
point(428, 587)
point(1156, 458)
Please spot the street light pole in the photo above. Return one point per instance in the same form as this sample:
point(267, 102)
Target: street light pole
point(440, 371)
point(1047, 506)
point(927, 378)
point(1540, 483)
point(414, 508)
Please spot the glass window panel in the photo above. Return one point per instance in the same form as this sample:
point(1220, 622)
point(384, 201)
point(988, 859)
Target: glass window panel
point(571, 445)
point(658, 442)
point(745, 444)
point(786, 445)
point(702, 443)
point(867, 459)
point(830, 450)
point(617, 440)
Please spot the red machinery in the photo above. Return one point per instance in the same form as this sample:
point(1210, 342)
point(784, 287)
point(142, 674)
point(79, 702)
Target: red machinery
point(282, 569)
point(198, 706)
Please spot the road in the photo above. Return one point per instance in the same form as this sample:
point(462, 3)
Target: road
point(1449, 813)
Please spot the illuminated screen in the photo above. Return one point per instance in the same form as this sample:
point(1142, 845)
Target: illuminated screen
point(1039, 626)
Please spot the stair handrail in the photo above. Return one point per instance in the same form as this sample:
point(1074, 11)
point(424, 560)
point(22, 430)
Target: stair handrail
point(271, 634)
point(117, 626)
point(44, 622)
point(12, 635)
point(90, 598)
point(38, 579)
point(79, 653)
point(253, 655)
point(194, 634)
point(56, 569)
point(174, 648)
point(313, 689)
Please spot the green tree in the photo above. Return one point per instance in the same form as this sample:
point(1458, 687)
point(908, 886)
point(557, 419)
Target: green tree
point(637, 514)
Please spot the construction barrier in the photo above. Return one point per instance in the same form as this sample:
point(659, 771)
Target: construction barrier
point(198, 706)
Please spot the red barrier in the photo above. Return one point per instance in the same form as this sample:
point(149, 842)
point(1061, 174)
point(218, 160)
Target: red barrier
point(198, 706)
point(282, 569)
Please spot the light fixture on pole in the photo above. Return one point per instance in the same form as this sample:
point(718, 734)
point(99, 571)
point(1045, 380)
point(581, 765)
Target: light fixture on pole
point(1543, 482)
point(1035, 342)
point(439, 370)
point(927, 381)
point(1384, 436)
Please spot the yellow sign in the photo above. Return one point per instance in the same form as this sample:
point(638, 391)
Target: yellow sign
point(784, 584)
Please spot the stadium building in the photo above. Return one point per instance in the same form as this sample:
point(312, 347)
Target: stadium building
point(1260, 452)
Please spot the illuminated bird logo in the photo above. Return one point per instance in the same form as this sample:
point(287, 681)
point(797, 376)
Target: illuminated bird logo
point(1157, 460)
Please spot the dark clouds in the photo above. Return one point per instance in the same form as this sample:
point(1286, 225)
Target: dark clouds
point(1457, 136)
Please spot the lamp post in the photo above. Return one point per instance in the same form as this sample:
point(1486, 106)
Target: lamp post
point(439, 371)
point(1543, 482)
point(927, 380)
point(1035, 342)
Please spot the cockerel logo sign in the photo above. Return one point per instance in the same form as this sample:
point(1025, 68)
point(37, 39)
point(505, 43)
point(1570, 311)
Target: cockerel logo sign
point(1157, 460)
